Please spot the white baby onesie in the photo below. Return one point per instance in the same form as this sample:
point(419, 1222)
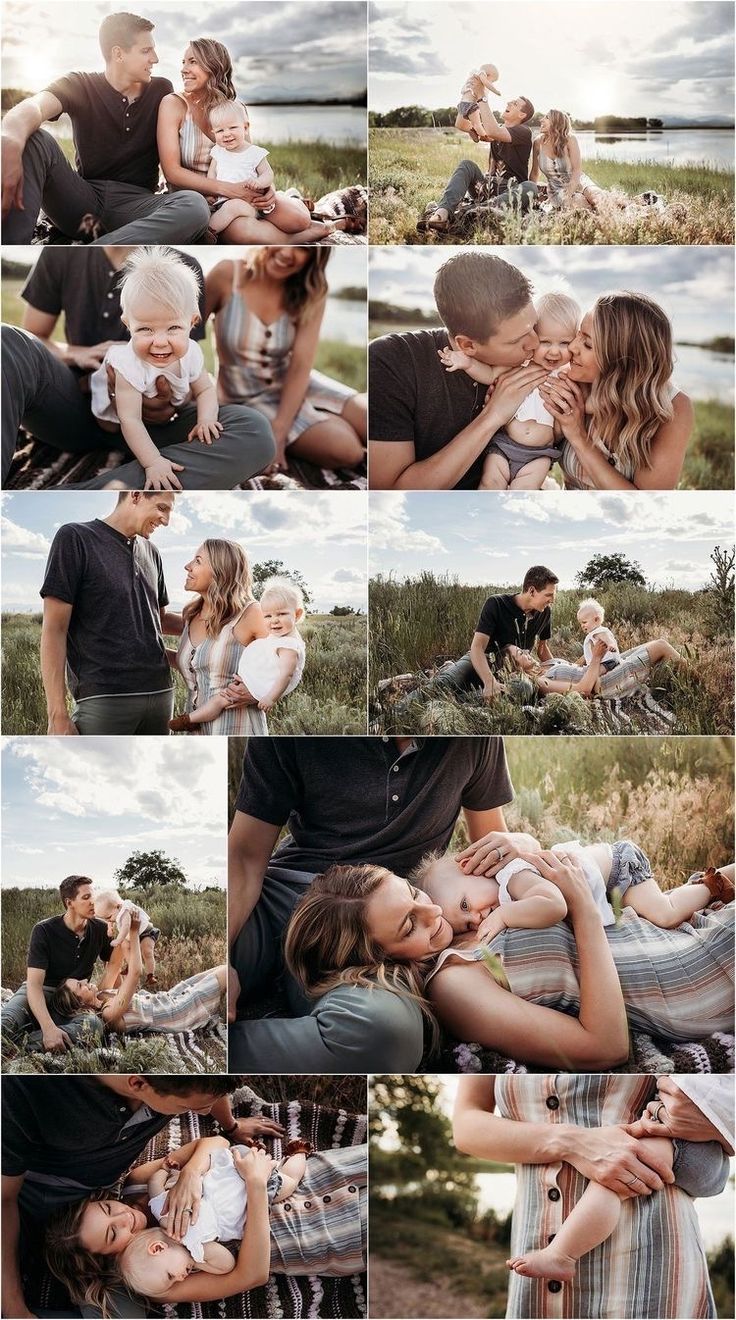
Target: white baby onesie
point(591, 871)
point(223, 1205)
point(259, 664)
point(143, 376)
point(600, 634)
point(238, 166)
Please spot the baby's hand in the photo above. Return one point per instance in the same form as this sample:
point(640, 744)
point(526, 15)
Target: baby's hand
point(161, 475)
point(207, 432)
point(453, 360)
point(171, 1161)
point(491, 926)
point(266, 703)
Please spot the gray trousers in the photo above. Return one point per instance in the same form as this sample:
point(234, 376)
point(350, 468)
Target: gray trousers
point(467, 175)
point(127, 213)
point(17, 1020)
point(41, 393)
point(149, 713)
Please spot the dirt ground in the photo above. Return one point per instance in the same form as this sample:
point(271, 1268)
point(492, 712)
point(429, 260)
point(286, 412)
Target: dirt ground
point(396, 1295)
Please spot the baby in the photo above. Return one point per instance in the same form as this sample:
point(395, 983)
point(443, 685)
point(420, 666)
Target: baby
point(520, 456)
point(700, 1168)
point(270, 667)
point(590, 616)
point(110, 907)
point(152, 1261)
point(159, 304)
point(478, 82)
point(519, 897)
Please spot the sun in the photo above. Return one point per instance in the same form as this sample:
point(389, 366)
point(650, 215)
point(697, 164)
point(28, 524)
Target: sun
point(599, 96)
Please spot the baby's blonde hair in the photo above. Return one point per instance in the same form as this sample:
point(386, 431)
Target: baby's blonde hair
point(560, 307)
point(135, 1257)
point(159, 273)
point(224, 107)
point(590, 603)
point(107, 896)
point(284, 590)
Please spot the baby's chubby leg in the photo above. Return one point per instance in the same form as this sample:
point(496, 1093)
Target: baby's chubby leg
point(234, 209)
point(496, 473)
point(667, 908)
point(531, 476)
point(290, 214)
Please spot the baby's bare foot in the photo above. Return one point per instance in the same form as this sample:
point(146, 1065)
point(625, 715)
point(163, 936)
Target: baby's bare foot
point(545, 1264)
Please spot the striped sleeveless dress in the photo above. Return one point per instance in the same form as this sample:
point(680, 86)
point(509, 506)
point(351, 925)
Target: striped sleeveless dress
point(194, 145)
point(653, 1265)
point(557, 172)
point(253, 361)
point(207, 668)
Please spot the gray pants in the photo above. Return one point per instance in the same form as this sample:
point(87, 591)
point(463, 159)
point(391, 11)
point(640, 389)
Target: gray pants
point(17, 1020)
point(257, 951)
point(128, 214)
point(464, 180)
point(41, 393)
point(149, 713)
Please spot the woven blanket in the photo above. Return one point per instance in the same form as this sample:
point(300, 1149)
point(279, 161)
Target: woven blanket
point(283, 1296)
point(648, 1054)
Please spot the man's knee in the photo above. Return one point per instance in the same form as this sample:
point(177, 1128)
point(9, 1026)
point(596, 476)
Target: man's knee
point(193, 206)
point(253, 429)
point(84, 1029)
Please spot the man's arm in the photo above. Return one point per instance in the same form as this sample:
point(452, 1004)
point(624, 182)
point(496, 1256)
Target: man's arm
point(87, 357)
point(54, 1038)
point(13, 1301)
point(480, 823)
point(54, 629)
point(171, 623)
point(250, 844)
point(543, 650)
point(479, 659)
point(18, 125)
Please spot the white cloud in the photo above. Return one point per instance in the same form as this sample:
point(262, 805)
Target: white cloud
point(23, 540)
point(390, 528)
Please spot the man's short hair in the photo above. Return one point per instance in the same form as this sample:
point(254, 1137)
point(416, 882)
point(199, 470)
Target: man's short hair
point(68, 887)
point(183, 1086)
point(121, 30)
point(528, 109)
point(475, 292)
point(538, 577)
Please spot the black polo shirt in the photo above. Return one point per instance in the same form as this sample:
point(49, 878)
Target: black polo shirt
point(114, 138)
point(72, 1128)
point(507, 625)
point(360, 800)
point(412, 397)
point(115, 585)
point(514, 155)
point(61, 953)
point(81, 284)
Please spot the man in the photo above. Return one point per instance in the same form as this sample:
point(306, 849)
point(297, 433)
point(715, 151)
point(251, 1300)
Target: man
point(523, 620)
point(381, 800)
point(114, 118)
point(104, 617)
point(60, 947)
point(45, 384)
point(508, 164)
point(65, 1137)
point(429, 428)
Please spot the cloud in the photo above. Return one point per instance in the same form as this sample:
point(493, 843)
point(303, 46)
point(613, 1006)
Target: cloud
point(390, 526)
point(22, 540)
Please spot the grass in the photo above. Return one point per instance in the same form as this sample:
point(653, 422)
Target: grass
point(330, 699)
point(410, 168)
point(333, 1092)
point(416, 621)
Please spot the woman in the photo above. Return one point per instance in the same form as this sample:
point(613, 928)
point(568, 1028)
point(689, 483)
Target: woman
point(189, 1005)
point(561, 1132)
point(633, 670)
point(559, 1000)
point(320, 1230)
point(556, 154)
point(185, 140)
point(625, 424)
point(268, 311)
point(222, 619)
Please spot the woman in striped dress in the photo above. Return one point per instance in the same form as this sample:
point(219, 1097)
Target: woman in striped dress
point(222, 619)
point(561, 1131)
point(268, 311)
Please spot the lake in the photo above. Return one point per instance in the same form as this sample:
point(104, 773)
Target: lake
point(703, 374)
point(345, 320)
point(686, 146)
point(497, 1191)
point(339, 125)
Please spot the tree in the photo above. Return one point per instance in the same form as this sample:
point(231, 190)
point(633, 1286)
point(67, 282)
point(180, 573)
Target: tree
point(148, 871)
point(407, 1110)
point(277, 568)
point(604, 570)
point(719, 593)
point(341, 611)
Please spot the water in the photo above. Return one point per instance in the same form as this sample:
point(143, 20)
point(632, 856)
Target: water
point(497, 1191)
point(665, 146)
point(704, 374)
point(345, 320)
point(339, 125)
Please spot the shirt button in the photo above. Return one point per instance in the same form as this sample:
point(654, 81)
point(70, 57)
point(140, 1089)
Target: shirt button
point(554, 1194)
point(105, 315)
point(384, 739)
point(395, 769)
point(109, 295)
point(394, 797)
point(554, 1285)
point(552, 1102)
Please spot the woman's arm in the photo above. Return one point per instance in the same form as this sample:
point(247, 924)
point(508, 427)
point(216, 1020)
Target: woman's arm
point(535, 174)
point(573, 151)
point(218, 285)
point(250, 625)
point(115, 1008)
point(297, 375)
point(473, 1006)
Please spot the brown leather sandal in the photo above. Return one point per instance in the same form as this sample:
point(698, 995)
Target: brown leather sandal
point(298, 1147)
point(180, 724)
point(720, 886)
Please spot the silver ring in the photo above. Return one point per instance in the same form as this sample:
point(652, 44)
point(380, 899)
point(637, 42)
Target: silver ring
point(630, 1181)
point(188, 1210)
point(655, 1115)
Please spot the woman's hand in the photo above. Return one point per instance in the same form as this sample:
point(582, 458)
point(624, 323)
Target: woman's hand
point(673, 1114)
point(567, 874)
point(564, 399)
point(238, 694)
point(254, 1166)
point(280, 435)
point(487, 855)
point(182, 1202)
point(612, 1157)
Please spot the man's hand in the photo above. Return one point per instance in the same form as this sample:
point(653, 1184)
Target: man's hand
point(62, 726)
point(55, 1039)
point(248, 1128)
point(233, 993)
point(609, 1155)
point(492, 690)
point(182, 1203)
point(12, 172)
point(512, 388)
point(154, 412)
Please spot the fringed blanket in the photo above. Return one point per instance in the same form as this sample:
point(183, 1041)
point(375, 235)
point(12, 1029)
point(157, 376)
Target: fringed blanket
point(649, 1054)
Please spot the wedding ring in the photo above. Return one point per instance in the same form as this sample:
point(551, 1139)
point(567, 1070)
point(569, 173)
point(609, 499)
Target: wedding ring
point(630, 1181)
point(657, 1111)
point(188, 1210)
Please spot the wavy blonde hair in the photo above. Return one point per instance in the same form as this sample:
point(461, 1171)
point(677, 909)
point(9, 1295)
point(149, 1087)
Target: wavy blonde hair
point(558, 133)
point(89, 1278)
point(216, 62)
point(630, 400)
point(305, 290)
point(230, 590)
point(328, 943)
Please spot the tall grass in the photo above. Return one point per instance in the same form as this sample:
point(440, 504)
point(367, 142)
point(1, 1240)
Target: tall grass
point(416, 623)
point(330, 699)
point(410, 167)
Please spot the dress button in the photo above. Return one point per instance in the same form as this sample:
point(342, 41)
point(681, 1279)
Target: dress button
point(554, 1194)
point(351, 1188)
point(552, 1102)
point(287, 1206)
point(327, 1199)
point(267, 334)
point(307, 1205)
point(554, 1285)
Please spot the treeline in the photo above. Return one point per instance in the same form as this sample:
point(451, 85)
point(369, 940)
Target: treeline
point(383, 311)
point(418, 116)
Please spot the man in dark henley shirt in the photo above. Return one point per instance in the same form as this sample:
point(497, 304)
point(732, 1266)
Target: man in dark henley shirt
point(382, 800)
point(508, 163)
point(114, 119)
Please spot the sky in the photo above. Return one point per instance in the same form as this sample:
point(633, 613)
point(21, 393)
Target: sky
point(286, 52)
point(482, 539)
point(83, 805)
point(320, 534)
point(588, 57)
